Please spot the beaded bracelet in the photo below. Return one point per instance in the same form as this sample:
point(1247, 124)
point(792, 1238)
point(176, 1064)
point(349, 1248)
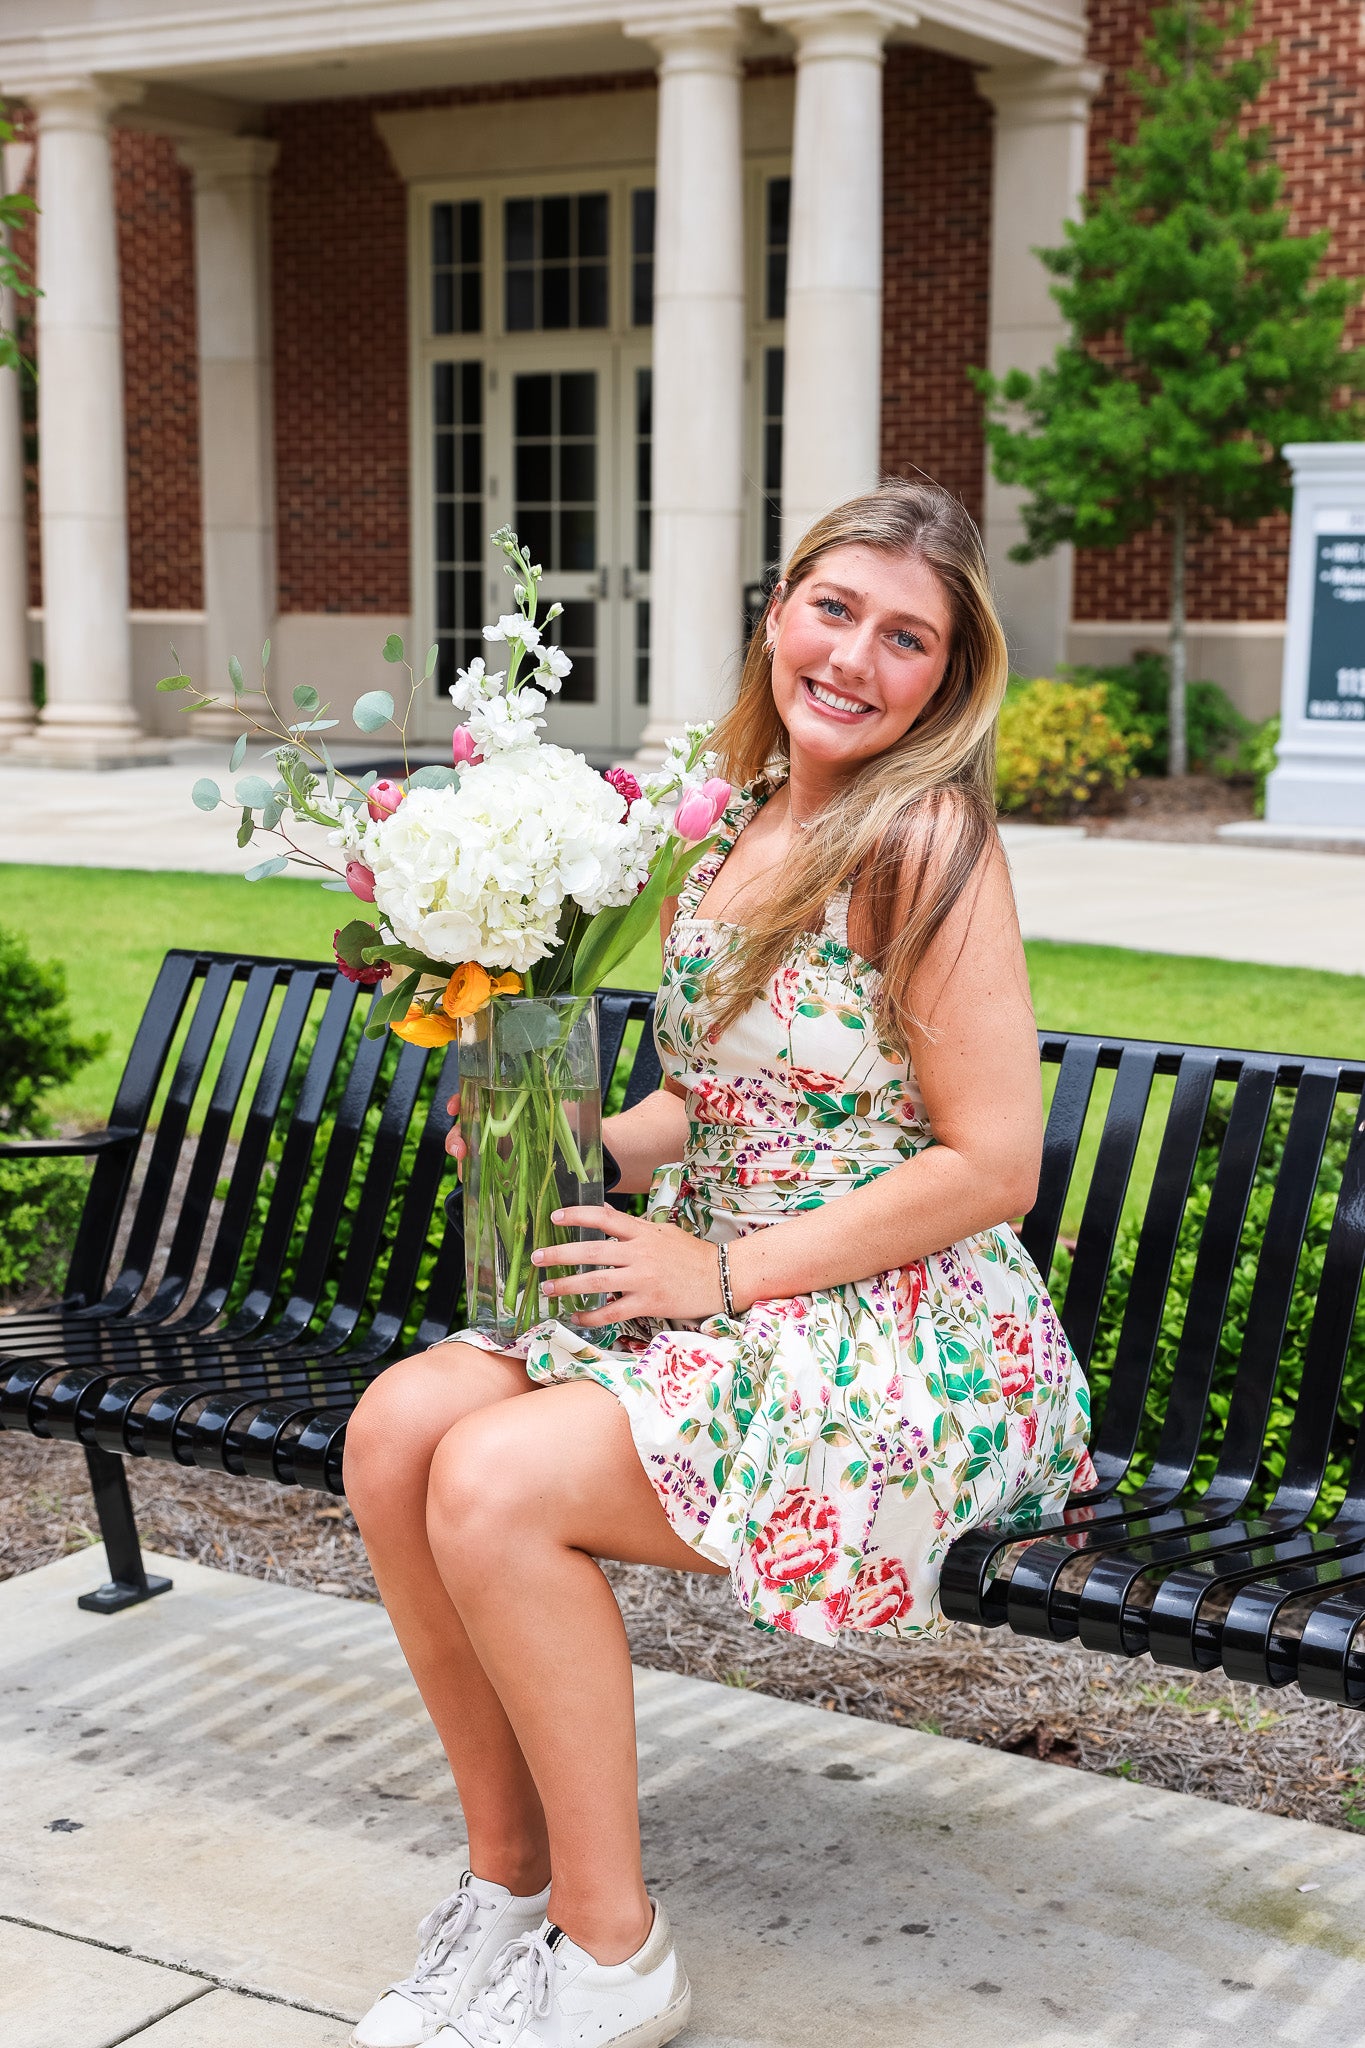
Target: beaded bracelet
point(723, 1254)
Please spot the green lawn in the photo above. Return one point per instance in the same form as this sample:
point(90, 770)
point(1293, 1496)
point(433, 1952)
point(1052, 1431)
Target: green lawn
point(109, 928)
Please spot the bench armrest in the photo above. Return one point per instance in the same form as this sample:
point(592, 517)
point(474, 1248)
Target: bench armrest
point(65, 1148)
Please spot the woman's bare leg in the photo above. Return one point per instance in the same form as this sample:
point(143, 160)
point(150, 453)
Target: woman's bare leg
point(390, 1443)
point(524, 1496)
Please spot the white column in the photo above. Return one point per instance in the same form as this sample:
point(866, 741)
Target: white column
point(16, 697)
point(832, 412)
point(88, 720)
point(1041, 117)
point(236, 427)
point(698, 459)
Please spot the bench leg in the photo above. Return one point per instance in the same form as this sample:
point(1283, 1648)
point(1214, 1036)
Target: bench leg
point(128, 1582)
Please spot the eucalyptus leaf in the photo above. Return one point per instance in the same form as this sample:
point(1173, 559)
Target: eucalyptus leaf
point(342, 888)
point(238, 754)
point(315, 725)
point(271, 815)
point(529, 1026)
point(276, 865)
point(206, 795)
point(372, 710)
point(253, 791)
point(245, 829)
point(265, 657)
point(235, 676)
point(331, 767)
point(433, 656)
point(434, 777)
point(393, 648)
point(175, 683)
point(368, 779)
point(306, 697)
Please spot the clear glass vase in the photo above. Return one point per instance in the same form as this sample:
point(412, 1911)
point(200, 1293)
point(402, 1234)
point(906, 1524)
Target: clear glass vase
point(531, 1118)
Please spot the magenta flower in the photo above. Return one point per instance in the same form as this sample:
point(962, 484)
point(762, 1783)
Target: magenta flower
point(463, 747)
point(695, 816)
point(719, 793)
point(360, 880)
point(625, 785)
point(365, 977)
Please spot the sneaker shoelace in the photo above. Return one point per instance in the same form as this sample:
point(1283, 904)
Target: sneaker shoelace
point(439, 1935)
point(521, 1990)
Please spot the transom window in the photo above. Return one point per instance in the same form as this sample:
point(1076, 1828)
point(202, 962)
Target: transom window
point(556, 269)
point(776, 227)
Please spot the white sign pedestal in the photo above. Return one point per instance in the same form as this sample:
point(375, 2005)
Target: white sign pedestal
point(1319, 776)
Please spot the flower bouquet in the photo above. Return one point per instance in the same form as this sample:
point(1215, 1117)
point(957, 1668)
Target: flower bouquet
point(506, 886)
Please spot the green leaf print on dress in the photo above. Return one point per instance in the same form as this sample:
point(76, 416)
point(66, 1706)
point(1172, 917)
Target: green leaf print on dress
point(827, 1449)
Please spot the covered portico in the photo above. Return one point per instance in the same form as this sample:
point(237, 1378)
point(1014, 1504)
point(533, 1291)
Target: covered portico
point(646, 326)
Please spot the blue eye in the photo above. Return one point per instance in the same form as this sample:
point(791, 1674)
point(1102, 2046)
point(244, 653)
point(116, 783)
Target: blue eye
point(911, 642)
point(832, 604)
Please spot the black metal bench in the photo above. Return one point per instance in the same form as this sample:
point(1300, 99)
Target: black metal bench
point(284, 1238)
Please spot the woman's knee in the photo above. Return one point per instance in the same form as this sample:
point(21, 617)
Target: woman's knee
point(485, 1482)
point(403, 1415)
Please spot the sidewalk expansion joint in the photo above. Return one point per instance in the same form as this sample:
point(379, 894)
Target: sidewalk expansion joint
point(207, 1978)
point(141, 2028)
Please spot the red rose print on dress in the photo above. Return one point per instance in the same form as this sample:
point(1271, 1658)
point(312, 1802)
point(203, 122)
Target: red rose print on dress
point(679, 1371)
point(880, 1594)
point(909, 1288)
point(1013, 1341)
point(835, 1607)
point(786, 993)
point(800, 1539)
point(1028, 1431)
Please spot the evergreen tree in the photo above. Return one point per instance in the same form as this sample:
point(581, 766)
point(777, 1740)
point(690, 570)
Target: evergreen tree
point(1202, 337)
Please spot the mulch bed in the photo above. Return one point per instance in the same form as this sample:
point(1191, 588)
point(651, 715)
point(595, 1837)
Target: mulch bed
point(1179, 807)
point(1247, 1746)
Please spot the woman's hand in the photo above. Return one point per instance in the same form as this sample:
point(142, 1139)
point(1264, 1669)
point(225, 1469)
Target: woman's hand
point(652, 1269)
point(455, 1144)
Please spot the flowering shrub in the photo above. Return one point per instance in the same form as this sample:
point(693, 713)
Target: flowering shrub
point(1059, 750)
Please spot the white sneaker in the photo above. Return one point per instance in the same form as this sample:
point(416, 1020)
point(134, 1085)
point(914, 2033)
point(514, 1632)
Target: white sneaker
point(461, 1940)
point(548, 1993)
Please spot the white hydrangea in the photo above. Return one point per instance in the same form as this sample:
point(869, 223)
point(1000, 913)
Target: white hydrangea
point(481, 871)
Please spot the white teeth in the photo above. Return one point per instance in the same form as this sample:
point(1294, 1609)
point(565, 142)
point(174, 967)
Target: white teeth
point(837, 703)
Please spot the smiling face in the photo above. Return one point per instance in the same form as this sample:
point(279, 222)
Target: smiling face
point(858, 648)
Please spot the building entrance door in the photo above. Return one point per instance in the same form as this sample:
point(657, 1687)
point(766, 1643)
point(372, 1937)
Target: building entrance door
point(568, 470)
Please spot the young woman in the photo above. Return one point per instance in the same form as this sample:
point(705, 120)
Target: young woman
point(825, 1353)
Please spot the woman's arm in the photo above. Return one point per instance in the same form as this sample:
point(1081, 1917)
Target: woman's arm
point(646, 1137)
point(976, 1060)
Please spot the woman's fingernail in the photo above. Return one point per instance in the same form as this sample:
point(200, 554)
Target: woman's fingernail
point(558, 1216)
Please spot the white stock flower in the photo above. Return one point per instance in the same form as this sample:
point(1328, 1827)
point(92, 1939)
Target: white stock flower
point(512, 626)
point(553, 667)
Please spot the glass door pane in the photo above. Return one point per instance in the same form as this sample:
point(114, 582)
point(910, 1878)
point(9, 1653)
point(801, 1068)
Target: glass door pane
point(556, 431)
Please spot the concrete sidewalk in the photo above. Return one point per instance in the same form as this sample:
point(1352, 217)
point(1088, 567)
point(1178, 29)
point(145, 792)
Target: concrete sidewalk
point(225, 1812)
point(1280, 907)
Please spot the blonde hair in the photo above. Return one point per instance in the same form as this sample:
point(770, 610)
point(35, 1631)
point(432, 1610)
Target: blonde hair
point(921, 816)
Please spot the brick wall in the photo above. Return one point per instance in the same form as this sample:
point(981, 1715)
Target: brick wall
point(160, 372)
point(936, 254)
point(1316, 114)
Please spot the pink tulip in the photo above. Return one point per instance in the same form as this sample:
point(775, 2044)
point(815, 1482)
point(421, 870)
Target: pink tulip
point(719, 793)
point(462, 747)
point(384, 799)
point(695, 816)
point(360, 880)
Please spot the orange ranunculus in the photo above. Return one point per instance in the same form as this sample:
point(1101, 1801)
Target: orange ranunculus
point(425, 1027)
point(468, 989)
point(508, 984)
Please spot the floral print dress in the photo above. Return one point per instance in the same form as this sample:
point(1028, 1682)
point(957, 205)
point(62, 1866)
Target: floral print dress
point(826, 1449)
